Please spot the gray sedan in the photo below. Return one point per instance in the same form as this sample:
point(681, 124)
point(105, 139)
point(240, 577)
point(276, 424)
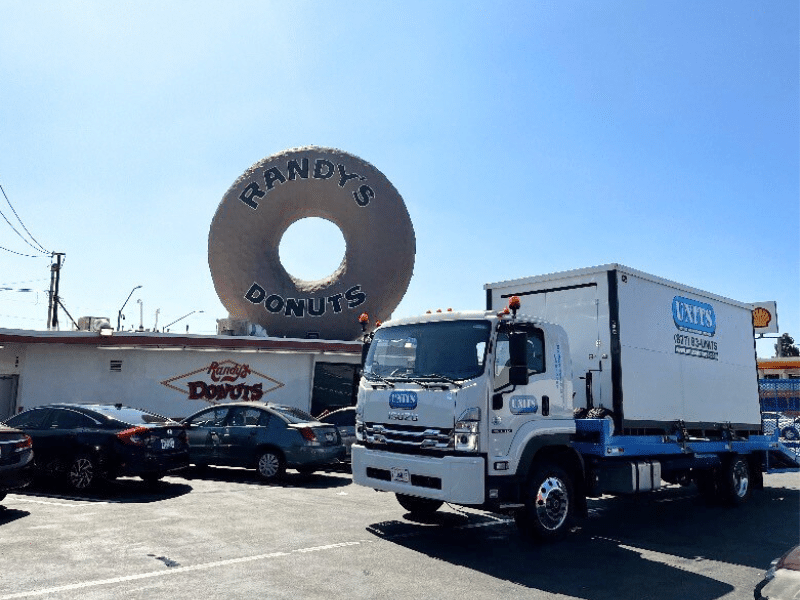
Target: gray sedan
point(267, 437)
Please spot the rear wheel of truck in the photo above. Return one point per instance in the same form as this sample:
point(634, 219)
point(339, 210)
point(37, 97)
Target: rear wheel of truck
point(549, 504)
point(735, 483)
point(419, 506)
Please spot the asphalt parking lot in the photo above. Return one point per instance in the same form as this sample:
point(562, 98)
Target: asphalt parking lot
point(221, 533)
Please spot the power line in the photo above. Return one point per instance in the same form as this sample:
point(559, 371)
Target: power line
point(40, 248)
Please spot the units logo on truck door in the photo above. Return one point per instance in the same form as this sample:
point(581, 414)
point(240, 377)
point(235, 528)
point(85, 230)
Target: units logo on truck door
point(523, 405)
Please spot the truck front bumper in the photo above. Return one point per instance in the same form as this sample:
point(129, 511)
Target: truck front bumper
point(456, 479)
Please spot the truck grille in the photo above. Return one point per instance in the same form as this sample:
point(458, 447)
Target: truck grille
point(408, 438)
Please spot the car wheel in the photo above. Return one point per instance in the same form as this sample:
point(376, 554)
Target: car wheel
point(152, 477)
point(790, 433)
point(2, 497)
point(81, 474)
point(549, 504)
point(270, 465)
point(418, 506)
point(735, 481)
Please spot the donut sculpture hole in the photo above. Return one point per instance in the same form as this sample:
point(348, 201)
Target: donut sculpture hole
point(312, 249)
point(311, 182)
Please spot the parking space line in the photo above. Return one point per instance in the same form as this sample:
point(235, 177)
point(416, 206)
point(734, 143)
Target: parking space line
point(78, 502)
point(171, 571)
point(178, 570)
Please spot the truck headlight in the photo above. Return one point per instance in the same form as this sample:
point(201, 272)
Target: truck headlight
point(467, 430)
point(359, 426)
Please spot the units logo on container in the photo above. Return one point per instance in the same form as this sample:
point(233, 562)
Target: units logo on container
point(696, 319)
point(523, 405)
point(404, 400)
point(693, 316)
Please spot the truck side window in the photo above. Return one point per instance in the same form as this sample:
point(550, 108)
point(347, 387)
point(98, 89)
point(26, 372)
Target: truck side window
point(536, 363)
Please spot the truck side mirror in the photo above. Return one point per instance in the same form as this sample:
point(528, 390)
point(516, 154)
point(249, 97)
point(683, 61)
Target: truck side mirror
point(518, 353)
point(364, 352)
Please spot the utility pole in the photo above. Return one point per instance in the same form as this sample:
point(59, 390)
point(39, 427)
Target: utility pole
point(55, 278)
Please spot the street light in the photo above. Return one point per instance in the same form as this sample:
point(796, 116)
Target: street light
point(119, 315)
point(180, 318)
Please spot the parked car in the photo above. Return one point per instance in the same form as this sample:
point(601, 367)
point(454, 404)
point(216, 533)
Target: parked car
point(267, 437)
point(16, 460)
point(782, 580)
point(82, 443)
point(345, 421)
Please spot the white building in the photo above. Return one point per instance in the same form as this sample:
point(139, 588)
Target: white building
point(173, 375)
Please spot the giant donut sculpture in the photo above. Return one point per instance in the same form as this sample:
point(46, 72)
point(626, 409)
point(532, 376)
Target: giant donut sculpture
point(245, 235)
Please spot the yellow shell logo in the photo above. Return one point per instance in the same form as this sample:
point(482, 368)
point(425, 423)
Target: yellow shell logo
point(761, 317)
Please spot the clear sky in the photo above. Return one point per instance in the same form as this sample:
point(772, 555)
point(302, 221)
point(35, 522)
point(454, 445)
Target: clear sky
point(525, 138)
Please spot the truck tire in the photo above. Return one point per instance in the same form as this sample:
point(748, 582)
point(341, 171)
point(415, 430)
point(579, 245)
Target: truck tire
point(549, 504)
point(418, 506)
point(735, 483)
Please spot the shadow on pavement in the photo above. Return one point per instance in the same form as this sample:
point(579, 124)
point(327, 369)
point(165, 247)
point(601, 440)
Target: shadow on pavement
point(621, 551)
point(125, 490)
point(318, 480)
point(7, 515)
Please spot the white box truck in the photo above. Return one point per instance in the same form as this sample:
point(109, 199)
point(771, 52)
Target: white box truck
point(571, 385)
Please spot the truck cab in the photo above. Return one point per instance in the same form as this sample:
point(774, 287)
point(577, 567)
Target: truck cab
point(455, 406)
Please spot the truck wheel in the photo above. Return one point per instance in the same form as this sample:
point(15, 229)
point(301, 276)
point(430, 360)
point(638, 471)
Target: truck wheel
point(735, 483)
point(549, 504)
point(419, 506)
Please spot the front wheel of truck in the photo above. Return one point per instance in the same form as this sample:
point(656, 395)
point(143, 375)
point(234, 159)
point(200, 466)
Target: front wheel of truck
point(418, 506)
point(549, 504)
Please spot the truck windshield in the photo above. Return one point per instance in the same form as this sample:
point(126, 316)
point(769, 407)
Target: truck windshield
point(445, 350)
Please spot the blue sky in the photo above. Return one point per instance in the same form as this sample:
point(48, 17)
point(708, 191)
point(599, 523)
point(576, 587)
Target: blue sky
point(524, 137)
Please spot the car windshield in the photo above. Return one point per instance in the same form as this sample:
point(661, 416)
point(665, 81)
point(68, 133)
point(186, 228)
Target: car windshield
point(445, 349)
point(131, 416)
point(293, 415)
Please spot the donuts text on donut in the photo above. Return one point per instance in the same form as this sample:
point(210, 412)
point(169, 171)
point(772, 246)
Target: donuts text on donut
point(323, 169)
point(299, 307)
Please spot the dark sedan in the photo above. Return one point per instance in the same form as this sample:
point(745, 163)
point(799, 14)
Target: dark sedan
point(16, 460)
point(82, 443)
point(266, 437)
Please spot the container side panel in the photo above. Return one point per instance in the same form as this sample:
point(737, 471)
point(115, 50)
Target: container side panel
point(686, 356)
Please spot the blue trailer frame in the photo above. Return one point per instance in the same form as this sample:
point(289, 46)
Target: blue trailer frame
point(594, 437)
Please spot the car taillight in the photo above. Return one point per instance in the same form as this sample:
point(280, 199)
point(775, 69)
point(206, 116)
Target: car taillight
point(136, 436)
point(24, 444)
point(308, 434)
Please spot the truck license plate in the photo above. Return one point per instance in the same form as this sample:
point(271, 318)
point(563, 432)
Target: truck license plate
point(400, 475)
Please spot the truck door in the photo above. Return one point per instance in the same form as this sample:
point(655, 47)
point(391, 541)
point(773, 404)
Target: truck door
point(513, 406)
